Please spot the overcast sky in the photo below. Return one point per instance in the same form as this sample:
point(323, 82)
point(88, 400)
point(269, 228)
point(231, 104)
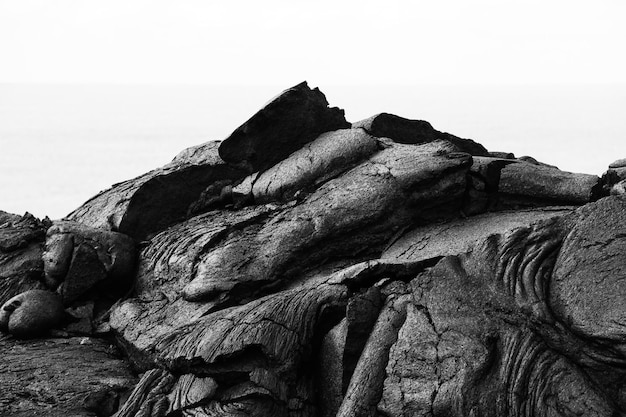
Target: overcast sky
point(324, 41)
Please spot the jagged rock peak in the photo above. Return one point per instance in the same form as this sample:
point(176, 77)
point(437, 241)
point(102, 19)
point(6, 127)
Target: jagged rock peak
point(293, 118)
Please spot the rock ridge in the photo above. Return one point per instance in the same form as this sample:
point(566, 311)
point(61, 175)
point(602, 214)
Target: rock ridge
point(309, 266)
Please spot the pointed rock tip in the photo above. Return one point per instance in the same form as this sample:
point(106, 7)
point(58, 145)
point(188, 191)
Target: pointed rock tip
point(290, 120)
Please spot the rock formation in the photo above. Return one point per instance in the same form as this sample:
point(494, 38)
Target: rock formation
point(306, 266)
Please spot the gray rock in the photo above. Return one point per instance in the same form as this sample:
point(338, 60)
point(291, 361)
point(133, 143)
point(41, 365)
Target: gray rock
point(363, 393)
point(620, 163)
point(292, 119)
point(545, 185)
point(383, 270)
point(460, 236)
point(613, 180)
point(619, 188)
point(401, 130)
point(412, 378)
point(203, 154)
point(191, 390)
point(21, 247)
point(363, 276)
point(78, 257)
point(62, 377)
point(31, 313)
point(586, 289)
point(390, 181)
point(325, 158)
point(502, 155)
point(148, 204)
point(331, 375)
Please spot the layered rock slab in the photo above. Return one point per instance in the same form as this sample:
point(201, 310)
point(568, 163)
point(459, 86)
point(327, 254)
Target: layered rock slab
point(459, 236)
point(165, 267)
point(486, 294)
point(545, 185)
point(290, 120)
point(259, 355)
point(151, 202)
point(222, 258)
point(326, 157)
point(185, 252)
point(587, 290)
point(475, 343)
point(393, 179)
point(497, 184)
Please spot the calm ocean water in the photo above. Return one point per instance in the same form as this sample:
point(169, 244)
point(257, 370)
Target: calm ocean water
point(61, 144)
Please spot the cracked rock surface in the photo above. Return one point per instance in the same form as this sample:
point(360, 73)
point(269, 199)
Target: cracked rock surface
point(306, 266)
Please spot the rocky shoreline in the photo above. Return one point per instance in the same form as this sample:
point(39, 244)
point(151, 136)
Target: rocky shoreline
point(308, 266)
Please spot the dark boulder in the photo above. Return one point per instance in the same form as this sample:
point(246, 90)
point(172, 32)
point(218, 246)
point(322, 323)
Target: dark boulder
point(31, 313)
point(77, 258)
point(401, 130)
point(289, 121)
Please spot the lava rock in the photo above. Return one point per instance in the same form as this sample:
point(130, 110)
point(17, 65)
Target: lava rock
point(325, 158)
point(21, 247)
point(78, 257)
point(295, 117)
point(620, 163)
point(387, 269)
point(148, 204)
point(401, 130)
point(522, 183)
point(586, 290)
point(31, 313)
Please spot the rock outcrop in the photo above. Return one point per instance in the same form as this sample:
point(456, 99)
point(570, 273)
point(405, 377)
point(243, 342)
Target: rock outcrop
point(21, 249)
point(306, 266)
point(145, 205)
point(289, 121)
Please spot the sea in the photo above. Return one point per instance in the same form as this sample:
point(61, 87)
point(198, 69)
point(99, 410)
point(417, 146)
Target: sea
point(62, 144)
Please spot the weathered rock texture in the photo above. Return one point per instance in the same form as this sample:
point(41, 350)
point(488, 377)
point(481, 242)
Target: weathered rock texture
point(79, 258)
point(149, 203)
point(21, 250)
point(62, 377)
point(290, 120)
point(31, 313)
point(309, 267)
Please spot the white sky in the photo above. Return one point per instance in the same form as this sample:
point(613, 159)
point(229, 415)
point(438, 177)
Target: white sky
point(324, 41)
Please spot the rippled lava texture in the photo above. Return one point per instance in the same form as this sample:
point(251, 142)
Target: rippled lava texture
point(308, 266)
